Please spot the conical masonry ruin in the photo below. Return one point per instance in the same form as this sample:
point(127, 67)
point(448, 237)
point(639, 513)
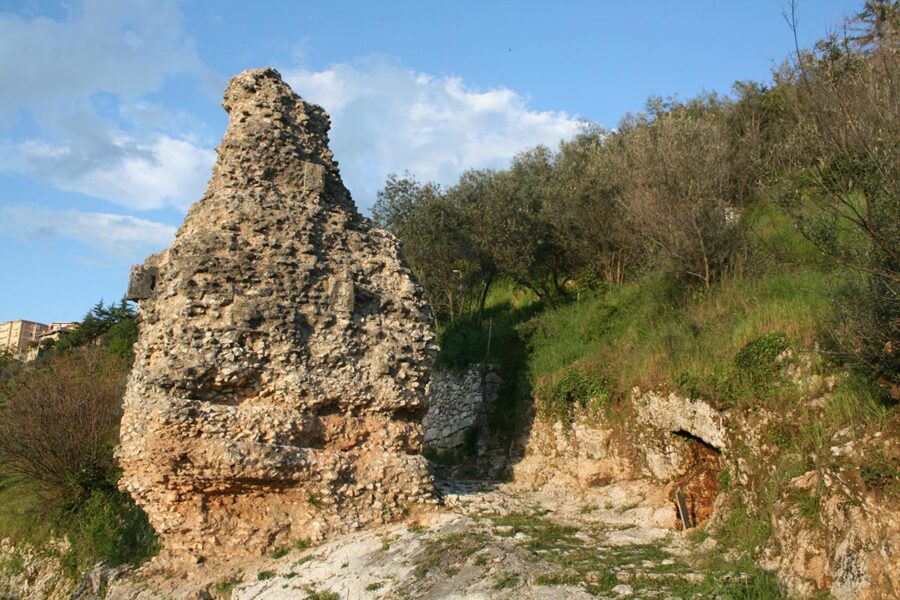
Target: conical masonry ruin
point(284, 349)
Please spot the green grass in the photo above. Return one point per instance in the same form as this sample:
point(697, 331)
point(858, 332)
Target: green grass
point(651, 333)
point(224, 588)
point(105, 525)
point(313, 594)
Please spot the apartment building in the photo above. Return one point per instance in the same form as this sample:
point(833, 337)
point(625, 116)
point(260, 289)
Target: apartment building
point(17, 337)
point(54, 330)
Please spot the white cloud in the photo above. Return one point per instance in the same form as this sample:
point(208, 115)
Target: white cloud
point(119, 236)
point(387, 118)
point(125, 47)
point(139, 175)
point(81, 80)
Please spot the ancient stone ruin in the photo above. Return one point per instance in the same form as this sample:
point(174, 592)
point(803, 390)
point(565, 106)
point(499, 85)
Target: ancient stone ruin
point(284, 349)
point(457, 402)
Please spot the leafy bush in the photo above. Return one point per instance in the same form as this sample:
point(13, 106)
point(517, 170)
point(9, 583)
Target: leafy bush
point(108, 526)
point(58, 427)
point(575, 389)
point(60, 421)
point(756, 361)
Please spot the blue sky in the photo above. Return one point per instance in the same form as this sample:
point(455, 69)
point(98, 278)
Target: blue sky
point(109, 109)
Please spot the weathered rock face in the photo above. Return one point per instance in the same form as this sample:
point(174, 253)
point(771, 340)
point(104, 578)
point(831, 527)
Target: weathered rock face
point(284, 349)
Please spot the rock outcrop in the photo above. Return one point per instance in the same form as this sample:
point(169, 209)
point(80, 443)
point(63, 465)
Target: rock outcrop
point(284, 349)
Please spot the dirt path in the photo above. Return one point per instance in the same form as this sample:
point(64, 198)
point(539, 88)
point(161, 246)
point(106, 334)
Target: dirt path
point(492, 540)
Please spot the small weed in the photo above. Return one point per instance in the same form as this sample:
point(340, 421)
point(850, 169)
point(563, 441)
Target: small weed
point(697, 535)
point(808, 505)
point(480, 560)
point(223, 589)
point(743, 531)
point(589, 508)
point(724, 480)
point(879, 473)
point(313, 594)
point(575, 389)
point(506, 580)
point(302, 544)
point(314, 500)
point(279, 552)
point(417, 528)
point(264, 575)
point(756, 362)
point(13, 565)
point(558, 579)
point(374, 586)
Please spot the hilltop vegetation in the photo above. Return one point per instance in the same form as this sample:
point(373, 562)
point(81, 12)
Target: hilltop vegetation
point(689, 198)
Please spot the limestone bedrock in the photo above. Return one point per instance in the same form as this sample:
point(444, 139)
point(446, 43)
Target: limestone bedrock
point(284, 350)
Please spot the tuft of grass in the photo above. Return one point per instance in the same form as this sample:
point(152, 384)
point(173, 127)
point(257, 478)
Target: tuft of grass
point(302, 544)
point(223, 589)
point(264, 575)
point(506, 580)
point(13, 564)
point(744, 531)
point(313, 594)
point(279, 552)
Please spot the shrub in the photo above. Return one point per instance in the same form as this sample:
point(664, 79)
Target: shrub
point(108, 526)
point(60, 421)
point(756, 361)
point(575, 389)
point(58, 427)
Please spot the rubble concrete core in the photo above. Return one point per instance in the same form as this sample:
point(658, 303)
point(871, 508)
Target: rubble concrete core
point(284, 350)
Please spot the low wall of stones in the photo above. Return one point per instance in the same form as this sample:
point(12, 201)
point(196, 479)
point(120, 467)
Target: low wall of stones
point(456, 402)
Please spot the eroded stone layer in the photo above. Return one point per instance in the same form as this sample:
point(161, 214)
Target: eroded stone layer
point(284, 349)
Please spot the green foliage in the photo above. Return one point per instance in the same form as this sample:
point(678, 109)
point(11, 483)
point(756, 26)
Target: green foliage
point(57, 471)
point(725, 480)
point(879, 473)
point(265, 575)
point(107, 526)
point(743, 581)
point(222, 589)
point(575, 389)
point(756, 362)
point(313, 594)
point(744, 531)
point(758, 355)
point(98, 323)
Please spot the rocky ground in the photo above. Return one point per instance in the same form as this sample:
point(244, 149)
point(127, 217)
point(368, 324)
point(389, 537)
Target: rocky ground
point(488, 540)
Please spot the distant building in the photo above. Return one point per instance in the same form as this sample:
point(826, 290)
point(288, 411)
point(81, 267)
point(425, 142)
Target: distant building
point(17, 337)
point(54, 330)
point(24, 338)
